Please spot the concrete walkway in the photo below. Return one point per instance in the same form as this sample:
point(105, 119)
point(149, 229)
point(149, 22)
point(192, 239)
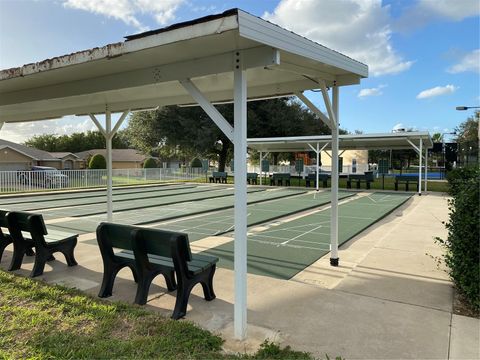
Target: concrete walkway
point(387, 300)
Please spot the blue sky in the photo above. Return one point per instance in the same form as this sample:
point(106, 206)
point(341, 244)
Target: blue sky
point(423, 55)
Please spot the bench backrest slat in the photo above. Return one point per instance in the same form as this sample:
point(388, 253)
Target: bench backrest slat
point(24, 221)
point(115, 235)
point(159, 242)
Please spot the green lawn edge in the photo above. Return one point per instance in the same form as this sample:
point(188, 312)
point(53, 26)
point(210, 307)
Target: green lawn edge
point(43, 321)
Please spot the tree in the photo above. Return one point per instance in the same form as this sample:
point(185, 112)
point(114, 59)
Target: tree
point(467, 138)
point(76, 142)
point(437, 138)
point(97, 162)
point(188, 131)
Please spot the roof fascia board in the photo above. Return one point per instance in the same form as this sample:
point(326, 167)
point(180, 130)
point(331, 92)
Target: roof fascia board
point(254, 28)
point(122, 48)
point(255, 57)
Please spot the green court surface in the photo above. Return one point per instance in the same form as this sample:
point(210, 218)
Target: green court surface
point(221, 222)
point(87, 224)
point(139, 204)
point(83, 194)
point(117, 198)
point(286, 249)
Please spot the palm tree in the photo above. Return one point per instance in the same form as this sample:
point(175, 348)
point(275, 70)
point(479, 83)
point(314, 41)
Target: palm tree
point(437, 138)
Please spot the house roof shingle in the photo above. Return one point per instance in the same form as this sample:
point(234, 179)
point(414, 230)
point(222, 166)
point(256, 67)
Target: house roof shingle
point(35, 154)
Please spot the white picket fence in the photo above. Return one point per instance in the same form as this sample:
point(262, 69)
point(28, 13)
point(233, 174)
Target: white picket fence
point(24, 181)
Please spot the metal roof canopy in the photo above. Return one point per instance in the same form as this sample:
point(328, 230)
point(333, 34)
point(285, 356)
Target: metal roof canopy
point(384, 141)
point(232, 56)
point(143, 71)
point(416, 140)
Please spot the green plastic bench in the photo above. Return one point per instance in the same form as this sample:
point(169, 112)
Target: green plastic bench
point(252, 178)
point(151, 252)
point(46, 243)
point(279, 178)
point(218, 177)
point(367, 177)
point(312, 179)
point(406, 179)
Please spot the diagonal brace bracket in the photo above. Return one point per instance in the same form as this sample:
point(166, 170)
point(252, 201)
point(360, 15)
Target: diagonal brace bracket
point(207, 106)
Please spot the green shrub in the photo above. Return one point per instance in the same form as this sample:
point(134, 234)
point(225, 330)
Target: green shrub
point(462, 245)
point(97, 162)
point(196, 163)
point(150, 163)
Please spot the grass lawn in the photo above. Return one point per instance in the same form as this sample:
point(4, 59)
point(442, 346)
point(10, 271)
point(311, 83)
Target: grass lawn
point(41, 321)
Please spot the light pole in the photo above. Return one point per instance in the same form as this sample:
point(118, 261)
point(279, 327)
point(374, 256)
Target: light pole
point(463, 108)
point(443, 151)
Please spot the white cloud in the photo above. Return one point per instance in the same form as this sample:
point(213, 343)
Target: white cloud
point(376, 91)
point(436, 91)
point(20, 132)
point(357, 28)
point(456, 10)
point(470, 62)
point(128, 10)
point(425, 11)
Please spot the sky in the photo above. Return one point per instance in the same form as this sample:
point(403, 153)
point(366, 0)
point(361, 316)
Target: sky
point(423, 55)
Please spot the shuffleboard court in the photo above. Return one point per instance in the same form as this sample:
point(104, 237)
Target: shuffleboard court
point(222, 222)
point(137, 204)
point(117, 198)
point(172, 211)
point(86, 193)
point(284, 250)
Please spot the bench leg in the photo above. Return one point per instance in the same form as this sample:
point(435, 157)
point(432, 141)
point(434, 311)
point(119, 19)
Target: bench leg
point(143, 287)
point(368, 185)
point(41, 258)
point(207, 285)
point(396, 186)
point(406, 186)
point(349, 184)
point(67, 251)
point(325, 184)
point(183, 293)
point(170, 281)
point(17, 258)
point(110, 271)
point(358, 184)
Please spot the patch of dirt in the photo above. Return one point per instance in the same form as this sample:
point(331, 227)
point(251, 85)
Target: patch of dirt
point(462, 307)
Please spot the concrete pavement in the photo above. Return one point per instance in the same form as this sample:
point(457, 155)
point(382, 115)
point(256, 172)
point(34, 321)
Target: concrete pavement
point(387, 300)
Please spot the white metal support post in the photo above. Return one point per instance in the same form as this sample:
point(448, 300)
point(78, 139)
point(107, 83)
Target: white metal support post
point(420, 153)
point(318, 162)
point(334, 213)
point(240, 212)
point(426, 168)
point(261, 158)
point(1, 125)
point(108, 138)
point(109, 133)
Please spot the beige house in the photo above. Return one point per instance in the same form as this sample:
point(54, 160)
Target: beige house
point(352, 159)
point(121, 158)
point(14, 157)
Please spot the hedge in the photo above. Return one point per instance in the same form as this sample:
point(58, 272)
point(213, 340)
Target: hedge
point(97, 162)
point(150, 163)
point(462, 245)
point(196, 163)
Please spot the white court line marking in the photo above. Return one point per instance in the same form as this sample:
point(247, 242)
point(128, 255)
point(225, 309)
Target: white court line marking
point(296, 237)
